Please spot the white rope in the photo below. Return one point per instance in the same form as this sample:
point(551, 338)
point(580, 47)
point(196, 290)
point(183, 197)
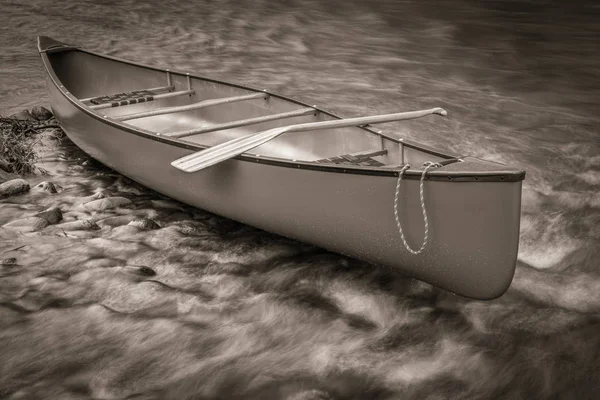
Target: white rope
point(428, 165)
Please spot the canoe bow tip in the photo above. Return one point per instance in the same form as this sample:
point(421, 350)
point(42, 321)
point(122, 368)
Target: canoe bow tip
point(46, 43)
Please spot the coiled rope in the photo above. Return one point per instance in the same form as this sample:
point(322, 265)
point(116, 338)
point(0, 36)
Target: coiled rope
point(428, 165)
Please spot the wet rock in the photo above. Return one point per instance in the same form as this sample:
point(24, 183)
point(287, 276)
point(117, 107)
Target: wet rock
point(58, 303)
point(41, 113)
point(115, 221)
point(123, 184)
point(10, 261)
point(29, 224)
point(47, 187)
point(13, 187)
point(52, 215)
point(23, 115)
point(144, 223)
point(81, 225)
point(108, 203)
point(146, 271)
point(102, 194)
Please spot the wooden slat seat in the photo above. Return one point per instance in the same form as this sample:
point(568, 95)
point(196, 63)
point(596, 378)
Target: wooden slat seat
point(156, 90)
point(134, 97)
point(362, 158)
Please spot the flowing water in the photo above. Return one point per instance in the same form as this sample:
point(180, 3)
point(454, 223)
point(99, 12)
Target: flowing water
point(233, 312)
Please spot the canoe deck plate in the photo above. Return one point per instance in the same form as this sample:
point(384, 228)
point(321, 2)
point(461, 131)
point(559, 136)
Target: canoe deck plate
point(353, 159)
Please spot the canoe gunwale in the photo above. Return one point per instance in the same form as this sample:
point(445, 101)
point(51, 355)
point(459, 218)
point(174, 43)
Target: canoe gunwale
point(47, 46)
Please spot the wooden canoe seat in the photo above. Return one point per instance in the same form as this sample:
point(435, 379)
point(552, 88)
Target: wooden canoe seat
point(121, 99)
point(109, 98)
point(363, 158)
point(134, 97)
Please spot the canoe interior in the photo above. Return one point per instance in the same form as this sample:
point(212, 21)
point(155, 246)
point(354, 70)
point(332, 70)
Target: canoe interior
point(87, 75)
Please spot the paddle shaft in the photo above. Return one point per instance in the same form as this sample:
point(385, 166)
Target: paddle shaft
point(224, 151)
point(375, 119)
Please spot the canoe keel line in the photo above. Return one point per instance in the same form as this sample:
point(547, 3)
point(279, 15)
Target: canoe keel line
point(312, 176)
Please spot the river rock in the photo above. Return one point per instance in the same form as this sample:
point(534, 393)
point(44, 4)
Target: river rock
point(23, 115)
point(113, 222)
point(108, 203)
point(41, 113)
point(144, 223)
point(52, 215)
point(145, 271)
point(80, 225)
point(13, 187)
point(47, 187)
point(9, 261)
point(29, 224)
point(102, 194)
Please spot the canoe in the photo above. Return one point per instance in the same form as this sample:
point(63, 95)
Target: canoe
point(294, 169)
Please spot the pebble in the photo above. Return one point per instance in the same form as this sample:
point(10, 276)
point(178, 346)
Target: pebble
point(108, 203)
point(29, 223)
point(52, 215)
point(41, 113)
point(38, 221)
point(115, 221)
point(102, 194)
point(8, 261)
point(145, 224)
point(48, 187)
point(13, 187)
point(146, 271)
point(80, 225)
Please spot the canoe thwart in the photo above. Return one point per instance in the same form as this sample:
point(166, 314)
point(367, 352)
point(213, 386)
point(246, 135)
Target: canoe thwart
point(224, 151)
point(241, 122)
point(134, 97)
point(363, 158)
point(194, 106)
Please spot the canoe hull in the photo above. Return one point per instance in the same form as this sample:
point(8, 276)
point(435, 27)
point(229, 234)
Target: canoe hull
point(474, 226)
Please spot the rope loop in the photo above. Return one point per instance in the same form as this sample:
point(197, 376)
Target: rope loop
point(428, 165)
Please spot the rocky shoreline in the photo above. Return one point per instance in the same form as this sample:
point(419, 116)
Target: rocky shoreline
point(25, 179)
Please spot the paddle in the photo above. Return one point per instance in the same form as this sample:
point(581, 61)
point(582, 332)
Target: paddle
point(224, 151)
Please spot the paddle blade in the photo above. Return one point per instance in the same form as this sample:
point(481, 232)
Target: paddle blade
point(224, 151)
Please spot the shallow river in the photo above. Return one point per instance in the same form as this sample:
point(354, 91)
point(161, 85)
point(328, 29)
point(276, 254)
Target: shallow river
point(233, 312)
